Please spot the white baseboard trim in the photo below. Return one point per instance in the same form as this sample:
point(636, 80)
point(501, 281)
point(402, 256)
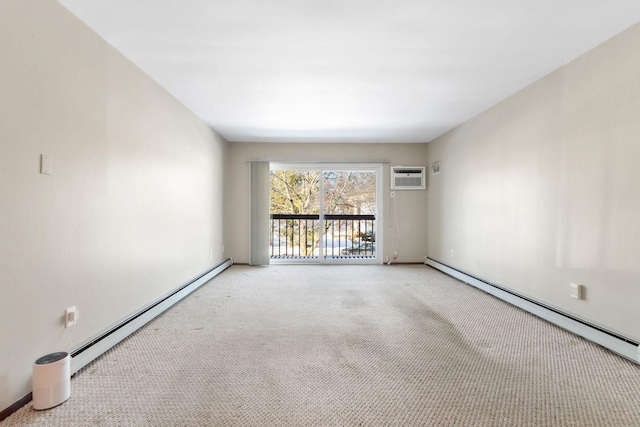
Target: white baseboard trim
point(99, 344)
point(613, 341)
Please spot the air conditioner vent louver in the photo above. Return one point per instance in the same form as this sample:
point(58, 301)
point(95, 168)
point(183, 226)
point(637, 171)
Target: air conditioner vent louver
point(407, 178)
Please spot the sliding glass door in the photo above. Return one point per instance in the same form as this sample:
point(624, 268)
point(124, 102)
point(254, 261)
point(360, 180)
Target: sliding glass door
point(325, 213)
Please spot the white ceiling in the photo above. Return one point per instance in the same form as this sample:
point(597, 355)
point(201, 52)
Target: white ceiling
point(349, 70)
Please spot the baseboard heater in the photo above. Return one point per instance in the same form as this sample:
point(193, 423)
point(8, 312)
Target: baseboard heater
point(610, 340)
point(98, 345)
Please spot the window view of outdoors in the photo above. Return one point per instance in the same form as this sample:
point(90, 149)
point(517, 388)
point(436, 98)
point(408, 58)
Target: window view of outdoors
point(295, 209)
point(346, 228)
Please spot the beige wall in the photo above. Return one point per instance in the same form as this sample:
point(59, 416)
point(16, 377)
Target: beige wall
point(134, 203)
point(543, 189)
point(411, 205)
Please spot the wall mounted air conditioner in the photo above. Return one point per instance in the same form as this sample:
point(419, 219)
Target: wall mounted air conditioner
point(408, 178)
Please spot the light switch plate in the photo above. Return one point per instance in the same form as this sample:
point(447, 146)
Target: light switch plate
point(46, 164)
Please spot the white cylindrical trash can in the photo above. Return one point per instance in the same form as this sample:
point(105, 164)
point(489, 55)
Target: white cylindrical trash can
point(51, 380)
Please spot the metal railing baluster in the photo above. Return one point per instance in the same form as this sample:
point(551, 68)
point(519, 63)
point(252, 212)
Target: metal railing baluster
point(348, 232)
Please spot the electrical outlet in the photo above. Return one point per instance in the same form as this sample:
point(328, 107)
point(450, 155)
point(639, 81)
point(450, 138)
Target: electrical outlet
point(451, 253)
point(70, 316)
point(575, 290)
point(210, 253)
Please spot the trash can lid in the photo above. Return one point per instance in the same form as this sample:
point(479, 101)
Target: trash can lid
point(53, 357)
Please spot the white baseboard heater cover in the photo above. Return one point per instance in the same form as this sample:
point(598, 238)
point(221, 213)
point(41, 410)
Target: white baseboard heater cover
point(98, 345)
point(614, 342)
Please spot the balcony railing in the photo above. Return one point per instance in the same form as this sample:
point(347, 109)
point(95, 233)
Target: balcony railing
point(344, 236)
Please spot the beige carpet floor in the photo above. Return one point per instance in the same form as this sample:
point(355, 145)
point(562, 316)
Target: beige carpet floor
point(348, 346)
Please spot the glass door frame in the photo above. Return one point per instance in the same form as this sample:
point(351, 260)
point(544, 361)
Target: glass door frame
point(379, 227)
